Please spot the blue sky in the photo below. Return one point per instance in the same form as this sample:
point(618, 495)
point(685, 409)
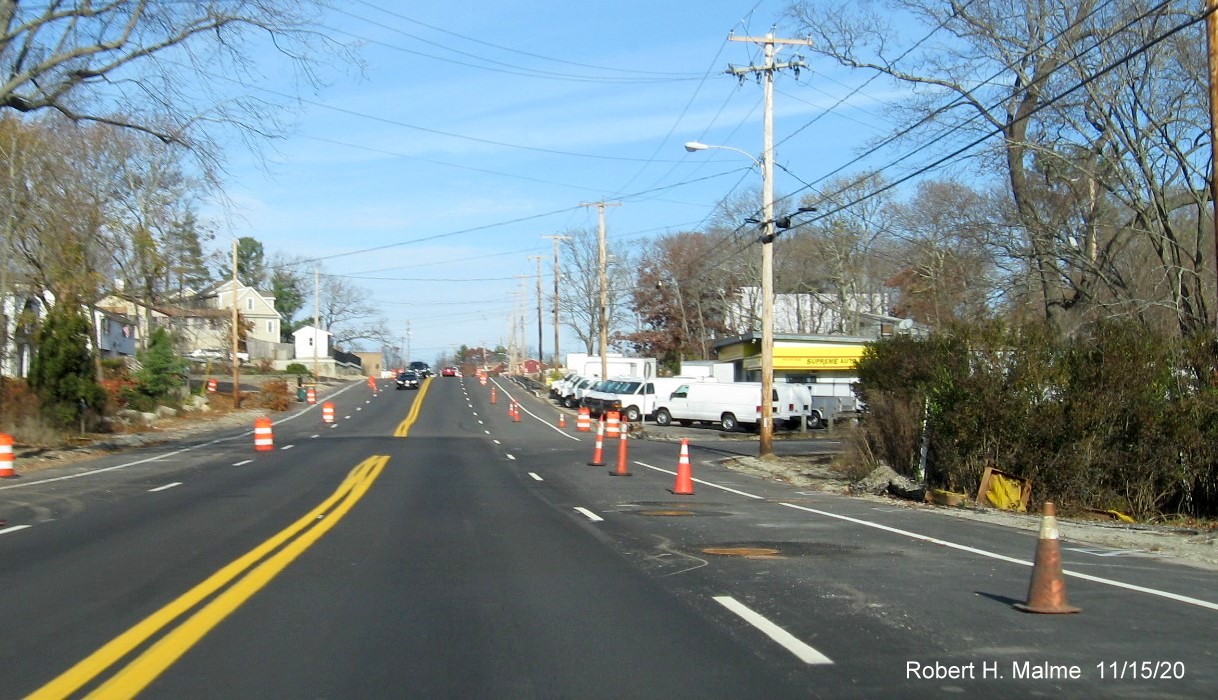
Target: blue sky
point(476, 130)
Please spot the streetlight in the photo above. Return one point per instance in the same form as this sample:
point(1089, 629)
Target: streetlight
point(765, 446)
point(765, 440)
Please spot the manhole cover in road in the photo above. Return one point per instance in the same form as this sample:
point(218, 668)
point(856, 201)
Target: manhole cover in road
point(751, 552)
point(666, 513)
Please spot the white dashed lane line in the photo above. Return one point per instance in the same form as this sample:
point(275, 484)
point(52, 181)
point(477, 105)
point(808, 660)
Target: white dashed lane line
point(589, 514)
point(784, 638)
point(535, 477)
point(166, 487)
point(14, 528)
point(242, 463)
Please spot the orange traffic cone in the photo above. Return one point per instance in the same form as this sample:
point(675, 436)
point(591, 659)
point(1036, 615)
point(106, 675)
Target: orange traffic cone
point(515, 412)
point(562, 420)
point(684, 485)
point(263, 438)
point(623, 468)
point(598, 453)
point(494, 397)
point(1047, 590)
point(6, 456)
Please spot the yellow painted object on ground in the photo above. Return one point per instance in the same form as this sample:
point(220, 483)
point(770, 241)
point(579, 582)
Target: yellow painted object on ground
point(1004, 491)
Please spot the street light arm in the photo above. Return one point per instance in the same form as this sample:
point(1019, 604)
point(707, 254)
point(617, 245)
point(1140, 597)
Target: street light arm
point(694, 146)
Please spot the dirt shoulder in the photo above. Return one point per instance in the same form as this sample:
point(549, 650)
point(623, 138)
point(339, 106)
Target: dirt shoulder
point(1196, 546)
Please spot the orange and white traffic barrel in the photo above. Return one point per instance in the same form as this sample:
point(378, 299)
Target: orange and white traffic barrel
point(6, 456)
point(264, 439)
point(327, 412)
point(211, 386)
point(583, 423)
point(613, 421)
point(310, 395)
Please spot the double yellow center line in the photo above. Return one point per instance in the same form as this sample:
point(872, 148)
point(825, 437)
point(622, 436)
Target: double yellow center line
point(403, 428)
point(213, 600)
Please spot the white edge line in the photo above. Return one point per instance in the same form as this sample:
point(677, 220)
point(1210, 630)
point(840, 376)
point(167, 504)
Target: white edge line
point(973, 550)
point(963, 548)
point(14, 528)
point(706, 483)
point(535, 477)
point(166, 487)
point(544, 422)
point(784, 638)
point(589, 514)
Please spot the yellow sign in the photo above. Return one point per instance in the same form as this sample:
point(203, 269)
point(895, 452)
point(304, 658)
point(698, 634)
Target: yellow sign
point(817, 357)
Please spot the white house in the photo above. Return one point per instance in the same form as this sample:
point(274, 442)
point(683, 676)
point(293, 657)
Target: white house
point(311, 342)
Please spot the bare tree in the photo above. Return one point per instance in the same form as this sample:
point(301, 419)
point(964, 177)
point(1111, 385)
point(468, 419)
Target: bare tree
point(579, 291)
point(167, 69)
point(1096, 117)
point(946, 269)
point(346, 313)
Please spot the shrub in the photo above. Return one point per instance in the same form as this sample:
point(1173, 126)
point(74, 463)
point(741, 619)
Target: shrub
point(1112, 417)
point(274, 395)
point(62, 373)
point(298, 369)
point(161, 370)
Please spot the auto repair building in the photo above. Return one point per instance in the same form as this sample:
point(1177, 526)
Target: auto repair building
point(826, 363)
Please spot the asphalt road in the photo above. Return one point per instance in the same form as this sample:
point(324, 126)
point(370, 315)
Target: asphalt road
point(427, 545)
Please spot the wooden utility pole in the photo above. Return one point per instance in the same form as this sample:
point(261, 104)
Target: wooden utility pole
point(602, 257)
point(236, 362)
point(556, 239)
point(541, 354)
point(766, 424)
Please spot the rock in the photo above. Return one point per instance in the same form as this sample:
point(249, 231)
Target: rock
point(166, 412)
point(883, 480)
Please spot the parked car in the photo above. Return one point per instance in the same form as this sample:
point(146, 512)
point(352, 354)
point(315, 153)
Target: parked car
point(732, 405)
point(407, 380)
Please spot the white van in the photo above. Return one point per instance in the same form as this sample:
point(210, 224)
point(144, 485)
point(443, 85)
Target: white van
point(731, 405)
point(635, 397)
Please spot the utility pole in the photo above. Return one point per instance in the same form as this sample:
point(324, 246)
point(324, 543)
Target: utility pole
point(316, 321)
point(556, 239)
point(765, 440)
point(407, 345)
point(602, 258)
point(236, 363)
point(541, 354)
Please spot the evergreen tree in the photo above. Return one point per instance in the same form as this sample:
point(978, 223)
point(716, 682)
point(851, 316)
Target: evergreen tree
point(62, 373)
point(161, 369)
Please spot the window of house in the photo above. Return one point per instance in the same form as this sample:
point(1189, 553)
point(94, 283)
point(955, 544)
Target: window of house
point(249, 304)
point(270, 327)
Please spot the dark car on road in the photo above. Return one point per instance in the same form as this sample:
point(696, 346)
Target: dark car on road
point(408, 380)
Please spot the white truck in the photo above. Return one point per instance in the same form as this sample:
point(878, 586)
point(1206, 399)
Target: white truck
point(731, 405)
point(634, 397)
point(619, 365)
